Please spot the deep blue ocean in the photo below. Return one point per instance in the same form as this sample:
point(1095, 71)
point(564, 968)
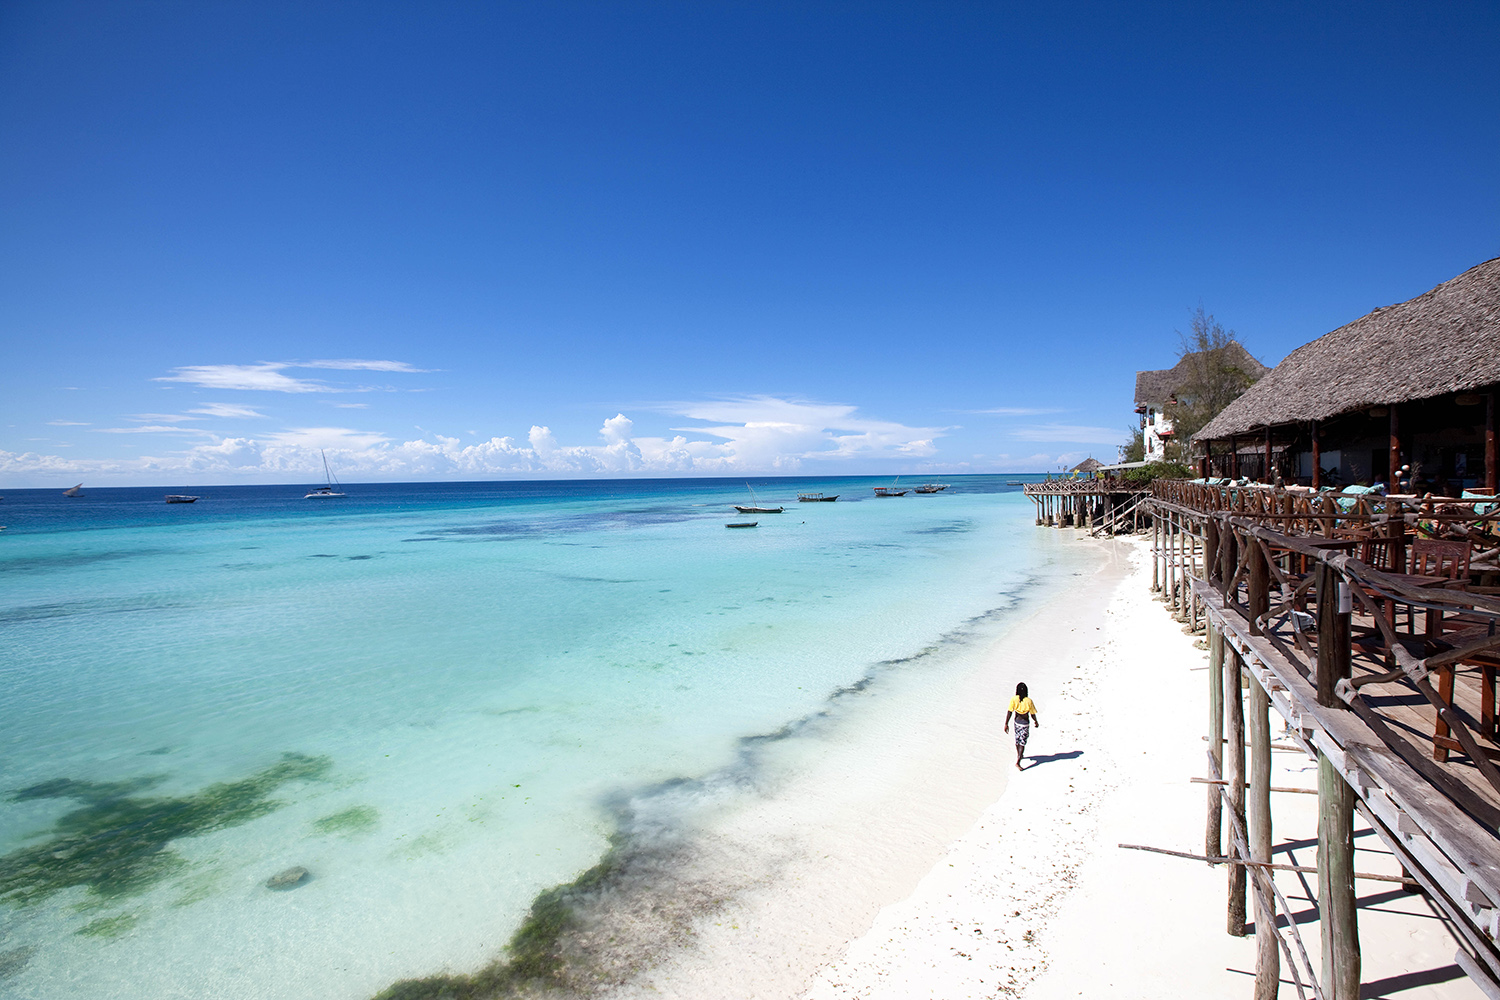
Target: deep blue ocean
point(433, 697)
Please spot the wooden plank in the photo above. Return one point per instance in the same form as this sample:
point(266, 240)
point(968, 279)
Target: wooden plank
point(1474, 849)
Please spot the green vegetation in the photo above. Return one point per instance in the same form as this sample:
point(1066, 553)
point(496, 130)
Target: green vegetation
point(536, 963)
point(109, 927)
point(1156, 470)
point(349, 822)
point(116, 843)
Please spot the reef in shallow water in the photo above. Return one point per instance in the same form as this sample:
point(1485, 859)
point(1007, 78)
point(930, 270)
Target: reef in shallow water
point(597, 932)
point(348, 822)
point(116, 842)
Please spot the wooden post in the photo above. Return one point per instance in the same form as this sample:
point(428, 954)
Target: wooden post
point(1259, 585)
point(1491, 454)
point(1234, 458)
point(1317, 456)
point(1211, 550)
point(1338, 924)
point(1267, 958)
point(1213, 831)
point(1392, 481)
point(1396, 528)
point(1266, 475)
point(1155, 534)
point(1174, 542)
point(1234, 746)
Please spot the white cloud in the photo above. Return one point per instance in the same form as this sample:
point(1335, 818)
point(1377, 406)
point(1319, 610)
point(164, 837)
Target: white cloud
point(164, 418)
point(269, 376)
point(352, 406)
point(151, 429)
point(1015, 411)
point(67, 423)
point(228, 410)
point(748, 434)
point(265, 377)
point(1070, 434)
point(355, 364)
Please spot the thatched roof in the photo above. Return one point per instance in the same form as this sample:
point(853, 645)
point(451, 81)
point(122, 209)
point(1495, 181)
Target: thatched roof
point(1447, 340)
point(1088, 465)
point(1155, 388)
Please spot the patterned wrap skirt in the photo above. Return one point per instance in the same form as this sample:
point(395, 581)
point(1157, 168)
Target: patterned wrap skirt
point(1023, 730)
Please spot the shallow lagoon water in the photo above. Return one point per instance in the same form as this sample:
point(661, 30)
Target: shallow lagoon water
point(482, 675)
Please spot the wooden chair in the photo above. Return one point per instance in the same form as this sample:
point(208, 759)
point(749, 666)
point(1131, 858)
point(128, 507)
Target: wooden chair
point(1439, 557)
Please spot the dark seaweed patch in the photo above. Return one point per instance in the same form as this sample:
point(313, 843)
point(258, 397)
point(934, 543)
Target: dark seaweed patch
point(951, 528)
point(45, 564)
point(358, 558)
point(117, 842)
point(322, 555)
point(14, 960)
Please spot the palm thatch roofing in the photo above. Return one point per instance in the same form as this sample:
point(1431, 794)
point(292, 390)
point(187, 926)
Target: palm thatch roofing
point(1088, 465)
point(1155, 388)
point(1446, 340)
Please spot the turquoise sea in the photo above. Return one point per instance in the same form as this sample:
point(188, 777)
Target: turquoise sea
point(444, 701)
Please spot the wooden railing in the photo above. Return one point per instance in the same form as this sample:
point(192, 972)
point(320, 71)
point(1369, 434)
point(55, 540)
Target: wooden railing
point(1278, 579)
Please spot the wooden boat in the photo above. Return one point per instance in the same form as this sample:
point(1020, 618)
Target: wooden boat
point(180, 498)
point(891, 491)
point(76, 491)
point(742, 524)
point(932, 488)
point(326, 490)
point(755, 507)
point(815, 498)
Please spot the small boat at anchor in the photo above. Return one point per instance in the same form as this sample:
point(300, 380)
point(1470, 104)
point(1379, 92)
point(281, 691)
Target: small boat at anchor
point(931, 488)
point(329, 482)
point(76, 491)
point(755, 507)
point(742, 524)
point(891, 490)
point(180, 498)
point(815, 498)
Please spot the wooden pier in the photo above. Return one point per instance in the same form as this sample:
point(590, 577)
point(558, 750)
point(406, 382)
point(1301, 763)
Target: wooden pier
point(1372, 628)
point(1102, 506)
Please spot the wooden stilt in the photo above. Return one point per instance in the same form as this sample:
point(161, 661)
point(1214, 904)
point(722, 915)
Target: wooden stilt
point(1155, 552)
point(1213, 831)
point(1234, 773)
point(1259, 587)
point(1267, 955)
point(1337, 913)
point(1338, 925)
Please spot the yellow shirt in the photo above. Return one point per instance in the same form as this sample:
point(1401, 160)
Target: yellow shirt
point(1022, 706)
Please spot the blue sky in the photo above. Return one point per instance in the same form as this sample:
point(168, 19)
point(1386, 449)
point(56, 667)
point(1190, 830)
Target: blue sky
point(489, 240)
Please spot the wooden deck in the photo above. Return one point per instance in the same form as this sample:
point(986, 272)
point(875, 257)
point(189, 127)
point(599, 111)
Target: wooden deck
point(1388, 681)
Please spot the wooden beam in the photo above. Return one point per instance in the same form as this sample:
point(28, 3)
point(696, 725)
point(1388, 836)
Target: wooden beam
point(1491, 452)
point(1395, 473)
point(1317, 456)
point(1338, 926)
point(1307, 869)
point(1267, 954)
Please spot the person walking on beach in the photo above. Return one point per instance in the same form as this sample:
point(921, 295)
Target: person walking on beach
point(1024, 710)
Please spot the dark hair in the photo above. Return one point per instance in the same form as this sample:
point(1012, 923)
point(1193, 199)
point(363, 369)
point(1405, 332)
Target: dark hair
point(1021, 690)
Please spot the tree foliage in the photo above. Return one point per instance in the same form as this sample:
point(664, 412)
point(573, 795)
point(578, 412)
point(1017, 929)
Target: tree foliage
point(1215, 374)
point(1135, 449)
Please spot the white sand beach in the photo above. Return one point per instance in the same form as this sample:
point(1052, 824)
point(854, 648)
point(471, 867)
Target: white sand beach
point(1037, 900)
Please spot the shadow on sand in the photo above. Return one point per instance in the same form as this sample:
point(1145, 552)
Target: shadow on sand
point(1048, 758)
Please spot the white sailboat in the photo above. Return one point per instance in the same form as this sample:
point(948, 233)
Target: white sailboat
point(326, 490)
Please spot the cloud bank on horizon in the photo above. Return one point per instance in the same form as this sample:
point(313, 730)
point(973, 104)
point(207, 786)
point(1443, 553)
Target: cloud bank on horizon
point(724, 436)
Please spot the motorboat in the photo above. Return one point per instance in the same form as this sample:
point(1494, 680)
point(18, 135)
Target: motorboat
point(180, 498)
point(815, 498)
